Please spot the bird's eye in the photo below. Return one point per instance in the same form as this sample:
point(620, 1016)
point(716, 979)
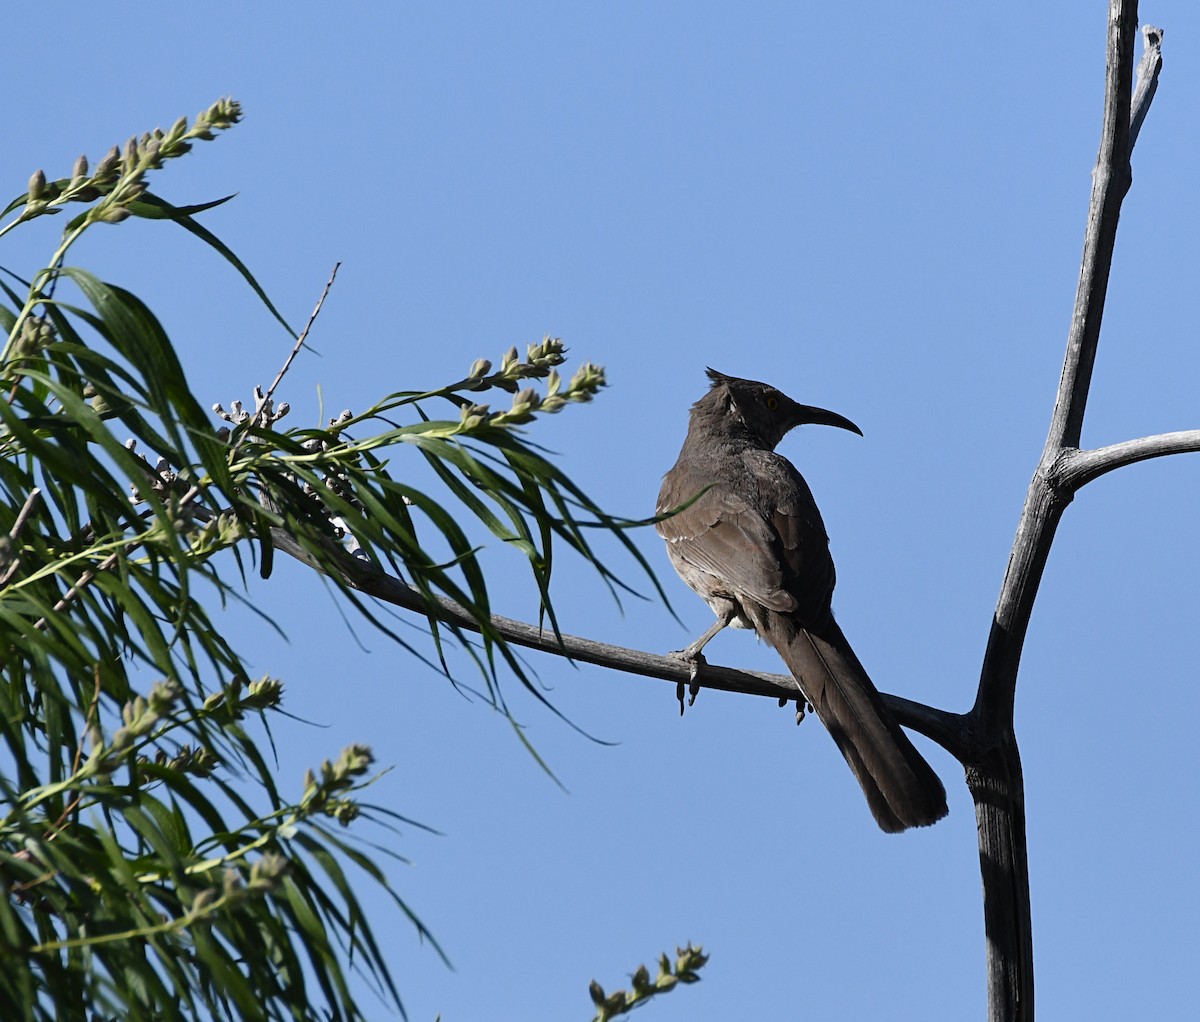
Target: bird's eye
point(772, 402)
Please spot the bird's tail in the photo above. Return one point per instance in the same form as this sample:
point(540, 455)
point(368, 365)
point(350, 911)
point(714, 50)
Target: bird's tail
point(901, 788)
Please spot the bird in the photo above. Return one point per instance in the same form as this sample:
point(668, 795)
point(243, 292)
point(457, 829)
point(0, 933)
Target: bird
point(743, 531)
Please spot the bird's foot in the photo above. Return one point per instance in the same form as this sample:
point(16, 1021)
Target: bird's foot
point(695, 660)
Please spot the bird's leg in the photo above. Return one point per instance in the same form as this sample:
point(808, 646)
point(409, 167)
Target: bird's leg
point(695, 660)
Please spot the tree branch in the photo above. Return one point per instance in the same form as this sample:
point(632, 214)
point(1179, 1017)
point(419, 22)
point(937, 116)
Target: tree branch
point(994, 773)
point(1110, 181)
point(1078, 468)
point(947, 729)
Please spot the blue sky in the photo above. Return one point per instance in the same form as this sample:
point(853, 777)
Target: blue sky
point(879, 214)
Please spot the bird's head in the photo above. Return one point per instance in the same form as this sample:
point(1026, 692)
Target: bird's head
point(768, 414)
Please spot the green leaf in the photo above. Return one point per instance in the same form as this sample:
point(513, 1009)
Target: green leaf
point(153, 208)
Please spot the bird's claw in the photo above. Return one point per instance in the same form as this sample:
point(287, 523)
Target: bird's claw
point(801, 703)
point(694, 661)
point(693, 691)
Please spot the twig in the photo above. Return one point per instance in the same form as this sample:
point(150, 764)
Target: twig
point(23, 516)
point(84, 580)
point(86, 577)
point(287, 364)
point(32, 501)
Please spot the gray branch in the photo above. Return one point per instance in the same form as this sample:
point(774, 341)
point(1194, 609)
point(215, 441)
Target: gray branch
point(1078, 468)
point(947, 729)
point(993, 769)
point(1147, 79)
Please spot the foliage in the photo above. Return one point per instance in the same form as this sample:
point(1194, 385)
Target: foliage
point(152, 866)
point(688, 961)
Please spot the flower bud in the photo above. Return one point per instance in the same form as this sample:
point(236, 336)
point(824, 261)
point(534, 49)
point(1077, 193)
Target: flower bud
point(203, 900)
point(106, 167)
point(473, 416)
point(150, 153)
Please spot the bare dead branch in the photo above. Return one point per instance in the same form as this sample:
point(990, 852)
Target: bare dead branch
point(1147, 80)
point(287, 364)
point(1110, 181)
point(1078, 468)
point(994, 772)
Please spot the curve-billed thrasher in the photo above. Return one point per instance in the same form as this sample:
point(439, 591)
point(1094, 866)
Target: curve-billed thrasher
point(754, 547)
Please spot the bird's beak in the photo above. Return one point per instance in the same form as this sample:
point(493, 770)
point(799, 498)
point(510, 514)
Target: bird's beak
point(807, 414)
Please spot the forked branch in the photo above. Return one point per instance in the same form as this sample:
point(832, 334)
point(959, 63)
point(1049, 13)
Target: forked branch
point(994, 770)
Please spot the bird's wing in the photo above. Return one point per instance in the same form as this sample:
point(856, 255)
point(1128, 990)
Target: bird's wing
point(802, 544)
point(764, 560)
point(722, 536)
